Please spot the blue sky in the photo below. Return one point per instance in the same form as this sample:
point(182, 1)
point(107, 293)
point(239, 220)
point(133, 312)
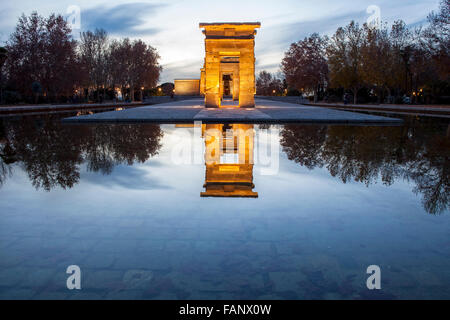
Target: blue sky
point(172, 25)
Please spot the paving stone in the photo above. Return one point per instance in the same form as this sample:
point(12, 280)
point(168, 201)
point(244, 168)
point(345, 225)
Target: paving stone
point(17, 294)
point(266, 111)
point(286, 281)
point(98, 260)
point(101, 279)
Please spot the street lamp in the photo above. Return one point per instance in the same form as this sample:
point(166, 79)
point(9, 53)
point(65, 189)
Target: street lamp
point(142, 94)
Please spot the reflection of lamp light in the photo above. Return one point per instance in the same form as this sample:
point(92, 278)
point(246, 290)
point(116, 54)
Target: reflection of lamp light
point(229, 168)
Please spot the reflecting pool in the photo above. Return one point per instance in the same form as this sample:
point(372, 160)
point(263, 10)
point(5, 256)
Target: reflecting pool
point(224, 211)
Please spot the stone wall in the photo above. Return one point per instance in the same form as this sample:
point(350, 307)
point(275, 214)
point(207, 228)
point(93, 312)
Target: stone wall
point(187, 87)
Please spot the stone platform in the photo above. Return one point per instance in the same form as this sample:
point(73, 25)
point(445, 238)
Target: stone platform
point(266, 111)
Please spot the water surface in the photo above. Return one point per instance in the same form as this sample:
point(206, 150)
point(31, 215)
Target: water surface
point(143, 224)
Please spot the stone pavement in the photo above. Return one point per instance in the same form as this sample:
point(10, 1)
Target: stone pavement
point(442, 111)
point(266, 111)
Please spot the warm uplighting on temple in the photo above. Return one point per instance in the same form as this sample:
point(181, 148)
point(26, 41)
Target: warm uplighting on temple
point(229, 68)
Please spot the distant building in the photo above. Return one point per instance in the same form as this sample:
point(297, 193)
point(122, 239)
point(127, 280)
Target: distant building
point(187, 87)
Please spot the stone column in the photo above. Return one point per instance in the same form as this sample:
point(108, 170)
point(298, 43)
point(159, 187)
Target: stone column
point(202, 81)
point(236, 82)
point(212, 74)
point(247, 78)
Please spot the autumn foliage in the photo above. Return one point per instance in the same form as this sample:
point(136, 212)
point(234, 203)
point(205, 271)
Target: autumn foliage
point(387, 62)
point(44, 63)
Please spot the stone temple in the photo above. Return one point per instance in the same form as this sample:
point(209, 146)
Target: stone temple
point(228, 75)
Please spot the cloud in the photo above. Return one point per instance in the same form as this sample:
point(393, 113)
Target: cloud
point(122, 20)
point(270, 66)
point(181, 70)
point(296, 31)
point(127, 177)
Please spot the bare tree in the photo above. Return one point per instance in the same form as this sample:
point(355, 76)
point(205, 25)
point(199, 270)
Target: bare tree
point(345, 58)
point(268, 84)
point(41, 50)
point(144, 66)
point(436, 39)
point(93, 50)
point(305, 65)
point(377, 60)
point(3, 57)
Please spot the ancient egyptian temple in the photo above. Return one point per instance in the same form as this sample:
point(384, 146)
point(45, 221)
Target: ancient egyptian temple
point(228, 76)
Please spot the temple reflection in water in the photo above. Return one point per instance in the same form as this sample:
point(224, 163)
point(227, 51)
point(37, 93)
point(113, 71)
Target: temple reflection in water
point(228, 160)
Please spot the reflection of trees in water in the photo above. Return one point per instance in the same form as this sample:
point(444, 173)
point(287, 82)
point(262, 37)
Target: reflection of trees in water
point(431, 173)
point(111, 145)
point(7, 156)
point(417, 152)
point(51, 153)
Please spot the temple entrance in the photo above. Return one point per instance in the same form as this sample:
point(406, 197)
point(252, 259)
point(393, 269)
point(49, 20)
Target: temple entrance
point(228, 96)
point(229, 70)
point(227, 86)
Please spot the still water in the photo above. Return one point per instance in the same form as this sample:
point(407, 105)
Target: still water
point(173, 212)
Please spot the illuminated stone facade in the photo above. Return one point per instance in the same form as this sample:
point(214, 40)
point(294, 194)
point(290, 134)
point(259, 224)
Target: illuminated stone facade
point(229, 68)
point(229, 160)
point(187, 87)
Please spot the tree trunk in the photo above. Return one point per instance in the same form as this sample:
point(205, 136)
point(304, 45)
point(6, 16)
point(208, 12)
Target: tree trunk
point(132, 92)
point(1, 85)
point(355, 96)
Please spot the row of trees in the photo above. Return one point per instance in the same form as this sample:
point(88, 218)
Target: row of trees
point(41, 59)
point(269, 85)
point(389, 63)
